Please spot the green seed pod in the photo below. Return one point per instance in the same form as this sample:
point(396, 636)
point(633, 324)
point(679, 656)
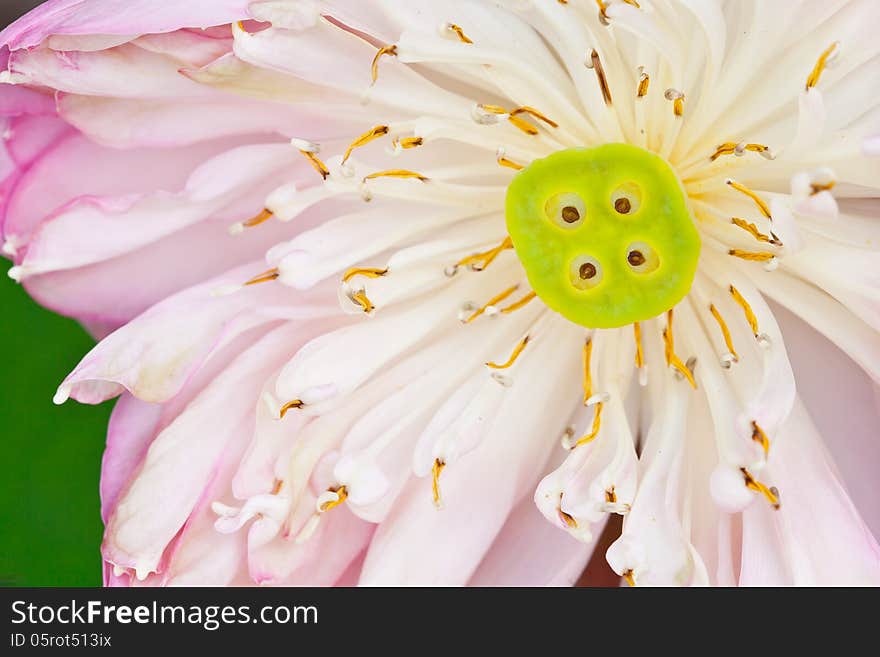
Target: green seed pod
point(604, 234)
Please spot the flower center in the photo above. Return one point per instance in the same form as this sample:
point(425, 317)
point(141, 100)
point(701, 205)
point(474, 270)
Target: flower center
point(604, 234)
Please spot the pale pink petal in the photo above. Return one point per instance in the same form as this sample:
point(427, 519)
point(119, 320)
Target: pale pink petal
point(132, 123)
point(320, 561)
point(817, 537)
point(300, 54)
point(135, 423)
point(352, 574)
point(419, 544)
point(850, 434)
point(116, 290)
point(189, 46)
point(126, 71)
point(183, 459)
point(529, 551)
point(154, 355)
point(93, 228)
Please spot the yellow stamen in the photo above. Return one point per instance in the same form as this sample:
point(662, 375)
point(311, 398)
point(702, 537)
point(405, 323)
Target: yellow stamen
point(603, 7)
point(316, 163)
point(374, 67)
point(727, 148)
point(493, 109)
point(491, 302)
point(644, 81)
point(513, 116)
point(677, 99)
point(678, 106)
point(296, 403)
point(815, 188)
point(611, 496)
point(760, 437)
point(364, 139)
point(266, 276)
point(531, 111)
point(277, 487)
point(731, 148)
point(408, 142)
point(479, 261)
point(360, 296)
point(516, 305)
point(671, 358)
point(523, 125)
point(361, 299)
point(505, 162)
point(770, 493)
point(452, 27)
point(752, 229)
point(395, 173)
point(513, 356)
point(747, 309)
point(369, 272)
point(342, 495)
point(815, 74)
point(588, 377)
point(637, 334)
point(755, 256)
point(596, 65)
point(628, 576)
point(567, 518)
point(436, 469)
point(264, 215)
point(724, 331)
point(594, 430)
point(757, 199)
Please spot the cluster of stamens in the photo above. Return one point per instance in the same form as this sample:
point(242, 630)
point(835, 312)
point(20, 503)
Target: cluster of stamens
point(531, 122)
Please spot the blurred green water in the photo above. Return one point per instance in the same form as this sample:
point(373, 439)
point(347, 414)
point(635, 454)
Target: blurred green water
point(50, 527)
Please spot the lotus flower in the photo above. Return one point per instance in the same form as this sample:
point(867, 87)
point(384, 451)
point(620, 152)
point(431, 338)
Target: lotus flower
point(426, 292)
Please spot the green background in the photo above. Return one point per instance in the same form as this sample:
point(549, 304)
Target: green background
point(50, 525)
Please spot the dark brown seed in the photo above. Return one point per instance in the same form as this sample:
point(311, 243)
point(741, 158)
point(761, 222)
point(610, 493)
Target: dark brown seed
point(635, 258)
point(570, 214)
point(587, 270)
point(622, 205)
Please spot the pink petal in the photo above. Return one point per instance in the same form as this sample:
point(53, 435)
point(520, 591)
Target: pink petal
point(118, 17)
point(29, 129)
point(131, 429)
point(74, 166)
point(18, 101)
